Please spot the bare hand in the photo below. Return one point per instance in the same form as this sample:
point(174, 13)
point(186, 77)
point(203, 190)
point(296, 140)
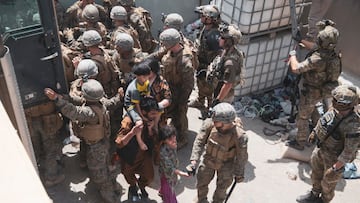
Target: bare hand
point(76, 60)
point(51, 94)
point(121, 92)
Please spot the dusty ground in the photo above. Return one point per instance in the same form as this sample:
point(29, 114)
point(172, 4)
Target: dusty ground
point(268, 176)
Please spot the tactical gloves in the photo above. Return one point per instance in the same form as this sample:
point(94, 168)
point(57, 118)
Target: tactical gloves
point(239, 179)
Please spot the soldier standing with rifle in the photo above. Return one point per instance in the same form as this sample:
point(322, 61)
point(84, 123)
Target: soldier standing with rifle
point(226, 71)
point(319, 75)
point(225, 144)
point(208, 49)
point(337, 134)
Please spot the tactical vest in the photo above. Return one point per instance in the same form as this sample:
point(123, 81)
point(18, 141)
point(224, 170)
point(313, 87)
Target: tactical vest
point(93, 133)
point(172, 66)
point(107, 73)
point(68, 54)
point(220, 148)
point(325, 76)
point(126, 65)
point(215, 72)
point(128, 30)
point(52, 121)
point(331, 138)
point(209, 45)
point(141, 21)
point(189, 45)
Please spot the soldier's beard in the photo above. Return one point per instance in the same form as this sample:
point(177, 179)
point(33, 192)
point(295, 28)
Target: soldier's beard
point(222, 131)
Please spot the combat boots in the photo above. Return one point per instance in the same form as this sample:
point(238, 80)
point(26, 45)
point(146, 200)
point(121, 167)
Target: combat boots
point(294, 144)
point(309, 197)
point(196, 104)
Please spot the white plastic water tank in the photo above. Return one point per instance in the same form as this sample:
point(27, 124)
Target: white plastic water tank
point(257, 15)
point(265, 62)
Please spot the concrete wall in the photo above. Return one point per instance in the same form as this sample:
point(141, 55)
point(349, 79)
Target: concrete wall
point(346, 14)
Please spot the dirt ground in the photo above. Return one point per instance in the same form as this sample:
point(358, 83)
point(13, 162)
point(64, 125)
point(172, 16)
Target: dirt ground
point(269, 178)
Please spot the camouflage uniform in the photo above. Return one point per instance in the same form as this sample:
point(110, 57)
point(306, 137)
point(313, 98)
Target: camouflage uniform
point(73, 15)
point(126, 64)
point(108, 72)
point(140, 19)
point(207, 51)
point(225, 154)
point(320, 72)
point(338, 138)
point(91, 123)
point(129, 30)
point(230, 66)
point(178, 71)
point(44, 123)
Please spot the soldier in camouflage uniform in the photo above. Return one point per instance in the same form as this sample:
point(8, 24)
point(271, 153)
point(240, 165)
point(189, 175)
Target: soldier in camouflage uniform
point(93, 128)
point(319, 75)
point(118, 15)
point(126, 57)
point(73, 15)
point(140, 19)
point(179, 73)
point(133, 160)
point(90, 15)
point(108, 71)
point(44, 123)
point(174, 20)
point(208, 49)
point(225, 154)
point(338, 136)
point(226, 71)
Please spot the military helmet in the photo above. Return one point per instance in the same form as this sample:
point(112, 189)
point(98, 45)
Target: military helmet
point(224, 112)
point(169, 37)
point(118, 13)
point(86, 68)
point(124, 41)
point(92, 90)
point(127, 2)
point(210, 11)
point(174, 20)
point(91, 38)
point(345, 97)
point(90, 13)
point(328, 37)
point(230, 31)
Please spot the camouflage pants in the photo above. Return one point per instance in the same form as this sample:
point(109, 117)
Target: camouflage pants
point(224, 180)
point(324, 183)
point(47, 146)
point(308, 100)
point(205, 90)
point(97, 157)
point(177, 112)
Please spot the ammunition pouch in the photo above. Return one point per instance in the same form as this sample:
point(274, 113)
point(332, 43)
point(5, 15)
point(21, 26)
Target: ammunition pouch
point(52, 123)
point(40, 110)
point(216, 154)
point(93, 133)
